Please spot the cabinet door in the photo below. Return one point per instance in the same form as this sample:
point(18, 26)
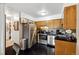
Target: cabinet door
point(65, 18)
point(70, 17)
point(40, 24)
point(50, 23)
point(65, 48)
point(56, 23)
point(70, 48)
point(59, 47)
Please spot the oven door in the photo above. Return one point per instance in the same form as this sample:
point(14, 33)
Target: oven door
point(43, 38)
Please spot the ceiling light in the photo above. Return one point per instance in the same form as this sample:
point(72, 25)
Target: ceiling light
point(43, 12)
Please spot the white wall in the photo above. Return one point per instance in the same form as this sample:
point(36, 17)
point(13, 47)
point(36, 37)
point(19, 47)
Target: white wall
point(2, 29)
point(14, 34)
point(77, 30)
point(14, 15)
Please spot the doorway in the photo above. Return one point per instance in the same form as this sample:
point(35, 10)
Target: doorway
point(8, 40)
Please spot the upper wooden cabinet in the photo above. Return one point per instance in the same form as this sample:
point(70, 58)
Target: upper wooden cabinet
point(70, 17)
point(40, 24)
point(50, 23)
point(55, 23)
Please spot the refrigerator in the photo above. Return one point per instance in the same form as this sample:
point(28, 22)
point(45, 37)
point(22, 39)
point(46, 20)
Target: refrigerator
point(28, 35)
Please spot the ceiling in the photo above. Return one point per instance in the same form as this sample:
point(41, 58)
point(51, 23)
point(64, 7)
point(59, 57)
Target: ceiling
point(32, 9)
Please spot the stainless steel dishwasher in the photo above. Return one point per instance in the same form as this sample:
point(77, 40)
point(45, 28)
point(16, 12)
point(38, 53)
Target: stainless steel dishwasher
point(51, 40)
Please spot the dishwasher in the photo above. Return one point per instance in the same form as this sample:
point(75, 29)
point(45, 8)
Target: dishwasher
point(51, 40)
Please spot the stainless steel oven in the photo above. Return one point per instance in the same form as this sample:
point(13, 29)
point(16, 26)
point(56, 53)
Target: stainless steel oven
point(42, 38)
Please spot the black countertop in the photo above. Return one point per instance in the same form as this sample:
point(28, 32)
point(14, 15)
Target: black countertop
point(63, 37)
point(66, 38)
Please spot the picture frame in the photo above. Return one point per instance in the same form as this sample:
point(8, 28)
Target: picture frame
point(16, 25)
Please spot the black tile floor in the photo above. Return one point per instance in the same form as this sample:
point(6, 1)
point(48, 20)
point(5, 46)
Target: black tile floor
point(38, 49)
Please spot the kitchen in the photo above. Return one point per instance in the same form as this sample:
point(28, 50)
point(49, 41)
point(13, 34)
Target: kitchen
point(51, 30)
point(61, 33)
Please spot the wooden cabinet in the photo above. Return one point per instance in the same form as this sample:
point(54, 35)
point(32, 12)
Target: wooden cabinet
point(40, 24)
point(65, 48)
point(56, 23)
point(70, 17)
point(50, 23)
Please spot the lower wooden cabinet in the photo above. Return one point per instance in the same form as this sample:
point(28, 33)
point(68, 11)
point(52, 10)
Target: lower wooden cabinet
point(65, 48)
